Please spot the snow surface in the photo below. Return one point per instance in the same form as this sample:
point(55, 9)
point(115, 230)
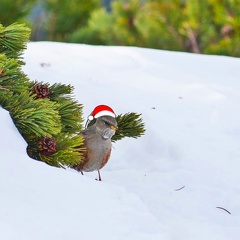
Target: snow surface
point(171, 184)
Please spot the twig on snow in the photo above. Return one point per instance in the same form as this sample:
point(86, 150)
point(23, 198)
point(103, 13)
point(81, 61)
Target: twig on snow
point(179, 188)
point(224, 209)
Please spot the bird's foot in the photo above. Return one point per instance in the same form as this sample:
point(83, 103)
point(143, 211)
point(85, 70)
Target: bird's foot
point(99, 177)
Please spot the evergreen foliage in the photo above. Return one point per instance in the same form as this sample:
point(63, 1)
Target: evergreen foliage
point(65, 16)
point(199, 26)
point(13, 40)
point(15, 11)
point(39, 117)
point(47, 116)
point(68, 150)
point(9, 74)
point(112, 28)
point(129, 125)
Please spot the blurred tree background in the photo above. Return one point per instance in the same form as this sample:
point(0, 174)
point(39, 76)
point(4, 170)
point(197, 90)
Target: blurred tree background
point(12, 10)
point(198, 26)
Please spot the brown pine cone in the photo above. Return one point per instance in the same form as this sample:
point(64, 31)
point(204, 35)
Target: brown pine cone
point(41, 91)
point(47, 145)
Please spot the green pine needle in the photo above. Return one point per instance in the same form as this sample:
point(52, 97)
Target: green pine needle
point(38, 117)
point(69, 151)
point(11, 77)
point(59, 117)
point(13, 39)
point(60, 90)
point(71, 116)
point(129, 125)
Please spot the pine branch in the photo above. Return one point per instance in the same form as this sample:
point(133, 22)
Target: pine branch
point(129, 125)
point(47, 116)
point(60, 90)
point(68, 151)
point(13, 39)
point(11, 76)
point(71, 116)
point(38, 117)
point(69, 109)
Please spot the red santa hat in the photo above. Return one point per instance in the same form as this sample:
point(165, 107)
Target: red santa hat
point(101, 110)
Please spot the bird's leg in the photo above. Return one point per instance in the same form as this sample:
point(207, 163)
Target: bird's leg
point(81, 172)
point(99, 176)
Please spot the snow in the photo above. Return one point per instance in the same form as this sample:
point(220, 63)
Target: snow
point(171, 184)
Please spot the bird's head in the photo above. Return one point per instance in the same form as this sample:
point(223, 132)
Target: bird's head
point(107, 125)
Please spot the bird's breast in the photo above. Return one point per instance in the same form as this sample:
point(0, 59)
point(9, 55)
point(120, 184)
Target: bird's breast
point(108, 134)
point(97, 154)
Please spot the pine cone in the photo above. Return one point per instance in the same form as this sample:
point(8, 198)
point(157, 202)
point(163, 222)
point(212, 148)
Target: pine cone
point(41, 91)
point(47, 145)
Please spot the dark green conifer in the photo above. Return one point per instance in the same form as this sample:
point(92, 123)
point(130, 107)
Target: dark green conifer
point(47, 116)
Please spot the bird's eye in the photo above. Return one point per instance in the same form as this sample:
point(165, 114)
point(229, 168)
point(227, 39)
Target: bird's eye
point(106, 123)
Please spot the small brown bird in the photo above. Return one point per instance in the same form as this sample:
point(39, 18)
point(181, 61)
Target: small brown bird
point(97, 140)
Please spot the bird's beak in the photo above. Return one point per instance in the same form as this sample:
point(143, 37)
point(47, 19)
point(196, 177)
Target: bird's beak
point(113, 127)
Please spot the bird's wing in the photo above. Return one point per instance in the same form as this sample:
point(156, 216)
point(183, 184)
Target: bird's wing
point(87, 132)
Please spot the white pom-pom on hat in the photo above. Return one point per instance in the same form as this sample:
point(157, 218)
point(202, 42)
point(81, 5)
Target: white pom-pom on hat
point(101, 110)
point(90, 117)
